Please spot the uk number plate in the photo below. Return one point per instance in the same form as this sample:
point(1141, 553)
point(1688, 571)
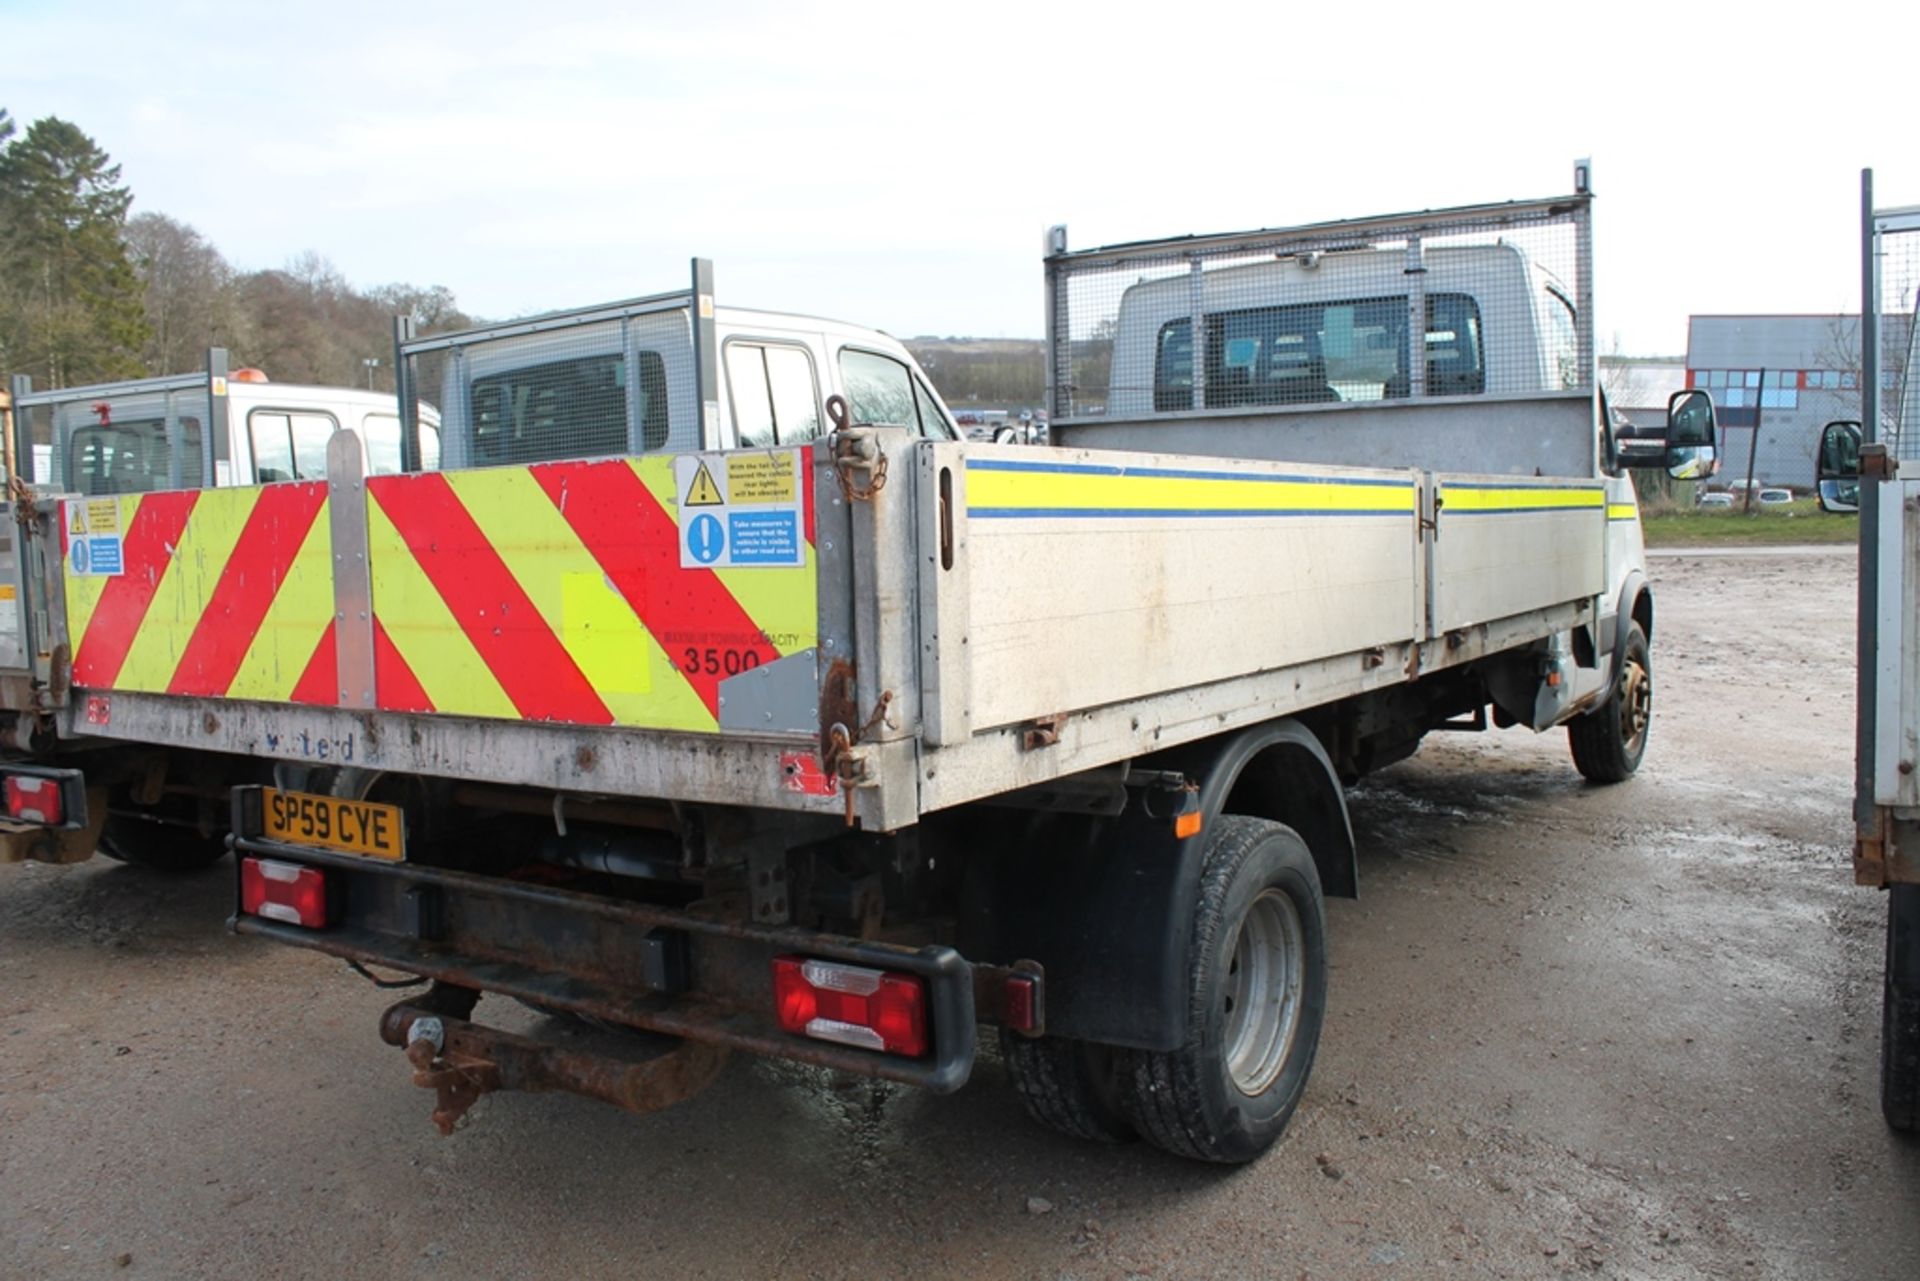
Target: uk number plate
point(330, 823)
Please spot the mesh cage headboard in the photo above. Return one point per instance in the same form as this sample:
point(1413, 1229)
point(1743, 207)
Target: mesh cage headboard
point(123, 438)
point(1486, 299)
point(621, 378)
point(1896, 264)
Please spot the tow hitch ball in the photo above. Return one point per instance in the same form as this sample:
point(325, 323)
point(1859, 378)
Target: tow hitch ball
point(458, 1081)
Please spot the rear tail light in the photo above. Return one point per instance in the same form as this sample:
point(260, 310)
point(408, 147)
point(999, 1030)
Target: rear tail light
point(35, 800)
point(851, 1004)
point(282, 891)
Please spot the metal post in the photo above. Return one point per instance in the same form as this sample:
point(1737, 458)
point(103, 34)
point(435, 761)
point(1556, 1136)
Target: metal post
point(216, 441)
point(1197, 331)
point(404, 394)
point(22, 387)
point(1584, 327)
point(1416, 272)
point(1056, 303)
point(1753, 450)
point(1867, 623)
point(706, 355)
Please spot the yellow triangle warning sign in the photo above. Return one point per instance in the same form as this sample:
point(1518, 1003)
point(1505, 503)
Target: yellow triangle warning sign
point(78, 525)
point(703, 492)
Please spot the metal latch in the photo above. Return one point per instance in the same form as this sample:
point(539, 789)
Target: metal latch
point(1876, 463)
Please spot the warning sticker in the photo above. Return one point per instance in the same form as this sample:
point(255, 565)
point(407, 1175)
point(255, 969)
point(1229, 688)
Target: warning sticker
point(95, 555)
point(741, 510)
point(103, 516)
point(760, 478)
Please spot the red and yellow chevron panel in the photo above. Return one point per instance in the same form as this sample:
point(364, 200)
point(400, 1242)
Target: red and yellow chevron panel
point(550, 592)
point(222, 592)
point(556, 592)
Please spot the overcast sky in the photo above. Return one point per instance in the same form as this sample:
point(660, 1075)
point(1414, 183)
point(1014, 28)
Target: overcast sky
point(896, 164)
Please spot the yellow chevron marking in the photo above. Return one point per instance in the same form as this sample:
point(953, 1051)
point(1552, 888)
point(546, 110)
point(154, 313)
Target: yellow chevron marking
point(294, 622)
point(425, 631)
point(621, 660)
point(186, 586)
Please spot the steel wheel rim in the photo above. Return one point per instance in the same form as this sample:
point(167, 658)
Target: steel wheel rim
point(1636, 708)
point(1265, 981)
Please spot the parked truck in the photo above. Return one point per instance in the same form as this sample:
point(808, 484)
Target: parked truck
point(220, 427)
point(719, 692)
point(1873, 466)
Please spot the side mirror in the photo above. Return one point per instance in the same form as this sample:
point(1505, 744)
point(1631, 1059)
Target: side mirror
point(1839, 467)
point(1688, 450)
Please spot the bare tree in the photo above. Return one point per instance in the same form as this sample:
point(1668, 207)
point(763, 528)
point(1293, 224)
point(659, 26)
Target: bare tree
point(188, 290)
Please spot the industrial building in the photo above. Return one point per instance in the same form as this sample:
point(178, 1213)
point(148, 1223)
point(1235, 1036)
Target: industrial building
point(1781, 379)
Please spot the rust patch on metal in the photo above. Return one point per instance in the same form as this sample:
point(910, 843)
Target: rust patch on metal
point(839, 707)
point(585, 758)
point(1044, 732)
point(466, 1061)
point(210, 723)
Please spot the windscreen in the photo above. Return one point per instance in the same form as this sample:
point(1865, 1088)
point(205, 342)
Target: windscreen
point(132, 457)
point(573, 408)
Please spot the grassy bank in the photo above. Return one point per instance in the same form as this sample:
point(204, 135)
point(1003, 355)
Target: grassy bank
point(1802, 522)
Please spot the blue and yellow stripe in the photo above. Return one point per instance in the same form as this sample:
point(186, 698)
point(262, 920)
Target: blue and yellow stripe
point(1037, 490)
point(1470, 499)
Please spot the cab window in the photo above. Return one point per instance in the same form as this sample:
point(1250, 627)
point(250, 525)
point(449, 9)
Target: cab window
point(1565, 341)
point(775, 399)
point(382, 435)
point(289, 445)
point(932, 422)
point(882, 392)
point(131, 457)
point(566, 409)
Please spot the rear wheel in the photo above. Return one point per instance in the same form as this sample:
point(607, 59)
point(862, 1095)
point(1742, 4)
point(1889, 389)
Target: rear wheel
point(149, 842)
point(1257, 995)
point(1069, 1086)
point(1609, 742)
point(1900, 1011)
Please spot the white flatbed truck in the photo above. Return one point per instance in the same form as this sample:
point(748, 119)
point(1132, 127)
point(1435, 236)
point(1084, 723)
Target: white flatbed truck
point(1873, 466)
point(722, 694)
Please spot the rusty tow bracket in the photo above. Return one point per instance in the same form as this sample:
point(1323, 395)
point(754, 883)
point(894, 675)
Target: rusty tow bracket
point(460, 1061)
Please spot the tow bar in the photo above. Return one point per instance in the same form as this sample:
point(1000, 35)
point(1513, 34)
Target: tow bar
point(460, 1061)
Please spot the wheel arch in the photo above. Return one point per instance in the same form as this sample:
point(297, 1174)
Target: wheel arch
point(1280, 771)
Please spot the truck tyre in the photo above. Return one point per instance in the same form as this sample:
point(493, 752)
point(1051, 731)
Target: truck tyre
point(1900, 1011)
point(1066, 1085)
point(161, 847)
point(1257, 994)
point(1609, 741)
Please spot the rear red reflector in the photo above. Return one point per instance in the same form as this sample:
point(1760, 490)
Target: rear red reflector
point(35, 800)
point(851, 1004)
point(1020, 991)
point(283, 892)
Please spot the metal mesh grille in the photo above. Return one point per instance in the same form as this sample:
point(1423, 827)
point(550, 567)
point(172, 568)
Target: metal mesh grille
point(1898, 264)
point(127, 439)
point(607, 381)
point(1455, 303)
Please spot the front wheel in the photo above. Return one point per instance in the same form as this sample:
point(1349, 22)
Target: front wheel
point(1257, 996)
point(1609, 742)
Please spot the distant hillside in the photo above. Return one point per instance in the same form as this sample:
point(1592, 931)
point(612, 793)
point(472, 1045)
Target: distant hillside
point(1002, 373)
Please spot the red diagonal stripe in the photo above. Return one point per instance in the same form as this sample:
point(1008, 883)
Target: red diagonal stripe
point(532, 666)
point(399, 689)
point(319, 683)
point(638, 546)
point(251, 578)
point(146, 552)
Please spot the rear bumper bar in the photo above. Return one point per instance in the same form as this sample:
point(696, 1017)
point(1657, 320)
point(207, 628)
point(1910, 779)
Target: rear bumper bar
point(666, 970)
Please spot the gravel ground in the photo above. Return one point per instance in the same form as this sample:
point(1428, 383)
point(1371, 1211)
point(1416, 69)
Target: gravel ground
point(1631, 1031)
